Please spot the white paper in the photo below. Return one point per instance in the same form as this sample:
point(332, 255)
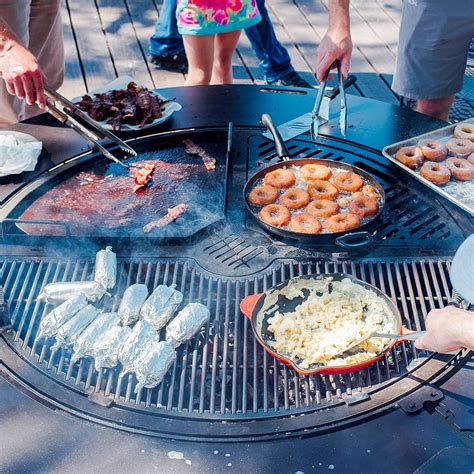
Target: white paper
point(18, 152)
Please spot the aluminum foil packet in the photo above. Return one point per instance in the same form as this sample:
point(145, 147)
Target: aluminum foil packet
point(107, 347)
point(160, 306)
point(50, 324)
point(132, 300)
point(153, 363)
point(187, 323)
point(142, 334)
point(72, 329)
point(83, 347)
point(63, 290)
point(105, 269)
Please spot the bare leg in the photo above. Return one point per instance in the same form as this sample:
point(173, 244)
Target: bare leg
point(437, 108)
point(224, 47)
point(200, 53)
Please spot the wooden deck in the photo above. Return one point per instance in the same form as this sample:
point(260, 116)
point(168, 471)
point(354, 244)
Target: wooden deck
point(108, 38)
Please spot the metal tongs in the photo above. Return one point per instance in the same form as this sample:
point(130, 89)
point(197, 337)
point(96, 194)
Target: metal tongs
point(316, 117)
point(66, 112)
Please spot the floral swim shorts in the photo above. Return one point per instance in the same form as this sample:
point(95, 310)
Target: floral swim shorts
point(208, 17)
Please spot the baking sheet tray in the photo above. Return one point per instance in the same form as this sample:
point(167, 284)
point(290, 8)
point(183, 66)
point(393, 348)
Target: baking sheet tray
point(460, 193)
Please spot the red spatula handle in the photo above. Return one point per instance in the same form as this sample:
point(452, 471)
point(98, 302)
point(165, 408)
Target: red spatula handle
point(248, 304)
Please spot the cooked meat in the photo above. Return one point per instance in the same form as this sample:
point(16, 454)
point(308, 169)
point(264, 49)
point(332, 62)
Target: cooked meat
point(192, 148)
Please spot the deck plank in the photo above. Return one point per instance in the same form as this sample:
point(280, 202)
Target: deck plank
point(95, 56)
point(74, 84)
point(393, 8)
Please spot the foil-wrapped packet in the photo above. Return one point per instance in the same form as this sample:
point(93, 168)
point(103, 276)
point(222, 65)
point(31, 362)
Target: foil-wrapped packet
point(187, 323)
point(105, 269)
point(83, 347)
point(153, 363)
point(50, 324)
point(132, 300)
point(107, 347)
point(69, 332)
point(161, 305)
point(63, 290)
point(142, 334)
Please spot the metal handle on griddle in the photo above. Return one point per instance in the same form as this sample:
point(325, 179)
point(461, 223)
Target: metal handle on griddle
point(361, 240)
point(280, 146)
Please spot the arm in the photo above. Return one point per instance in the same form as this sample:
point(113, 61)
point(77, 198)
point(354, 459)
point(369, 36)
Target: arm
point(337, 43)
point(19, 69)
point(447, 330)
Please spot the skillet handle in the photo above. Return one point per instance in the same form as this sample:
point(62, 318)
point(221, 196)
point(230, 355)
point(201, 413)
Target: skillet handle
point(248, 304)
point(280, 146)
point(410, 335)
point(354, 240)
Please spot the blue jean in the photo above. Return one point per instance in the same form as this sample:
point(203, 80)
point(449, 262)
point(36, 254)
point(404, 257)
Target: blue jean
point(274, 59)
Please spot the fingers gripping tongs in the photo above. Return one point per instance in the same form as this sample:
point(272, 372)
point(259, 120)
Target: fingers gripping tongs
point(66, 112)
point(316, 116)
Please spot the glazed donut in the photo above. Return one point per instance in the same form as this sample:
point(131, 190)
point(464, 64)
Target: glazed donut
point(433, 150)
point(294, 198)
point(322, 208)
point(436, 173)
point(363, 205)
point(370, 191)
point(460, 169)
point(460, 147)
point(342, 222)
point(464, 130)
point(348, 181)
point(470, 158)
point(305, 224)
point(275, 214)
point(410, 156)
point(312, 172)
point(280, 178)
point(263, 195)
point(320, 189)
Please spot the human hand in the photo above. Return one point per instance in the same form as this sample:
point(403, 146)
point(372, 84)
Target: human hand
point(23, 75)
point(447, 330)
point(335, 45)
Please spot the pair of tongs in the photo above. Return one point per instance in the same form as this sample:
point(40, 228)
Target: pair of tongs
point(316, 118)
point(66, 112)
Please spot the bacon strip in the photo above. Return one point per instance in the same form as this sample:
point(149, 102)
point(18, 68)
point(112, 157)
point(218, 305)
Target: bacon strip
point(172, 214)
point(192, 149)
point(143, 175)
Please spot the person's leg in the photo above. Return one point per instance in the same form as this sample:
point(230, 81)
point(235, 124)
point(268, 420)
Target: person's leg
point(166, 41)
point(437, 108)
point(224, 47)
point(200, 53)
point(16, 14)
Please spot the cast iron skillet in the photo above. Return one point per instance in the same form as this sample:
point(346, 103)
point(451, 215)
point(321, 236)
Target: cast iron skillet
point(252, 305)
point(356, 239)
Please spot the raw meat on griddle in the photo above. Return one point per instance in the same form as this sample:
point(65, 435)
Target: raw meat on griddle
point(172, 214)
point(192, 148)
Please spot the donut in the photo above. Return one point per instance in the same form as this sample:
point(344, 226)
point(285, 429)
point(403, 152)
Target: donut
point(363, 205)
point(460, 169)
point(275, 214)
point(370, 191)
point(470, 158)
point(464, 130)
point(348, 181)
point(460, 147)
point(280, 178)
point(320, 189)
point(305, 224)
point(322, 208)
point(410, 156)
point(294, 198)
point(342, 222)
point(312, 172)
point(435, 172)
point(263, 195)
point(433, 150)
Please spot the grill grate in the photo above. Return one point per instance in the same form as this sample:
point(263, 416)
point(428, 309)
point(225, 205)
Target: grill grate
point(223, 373)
